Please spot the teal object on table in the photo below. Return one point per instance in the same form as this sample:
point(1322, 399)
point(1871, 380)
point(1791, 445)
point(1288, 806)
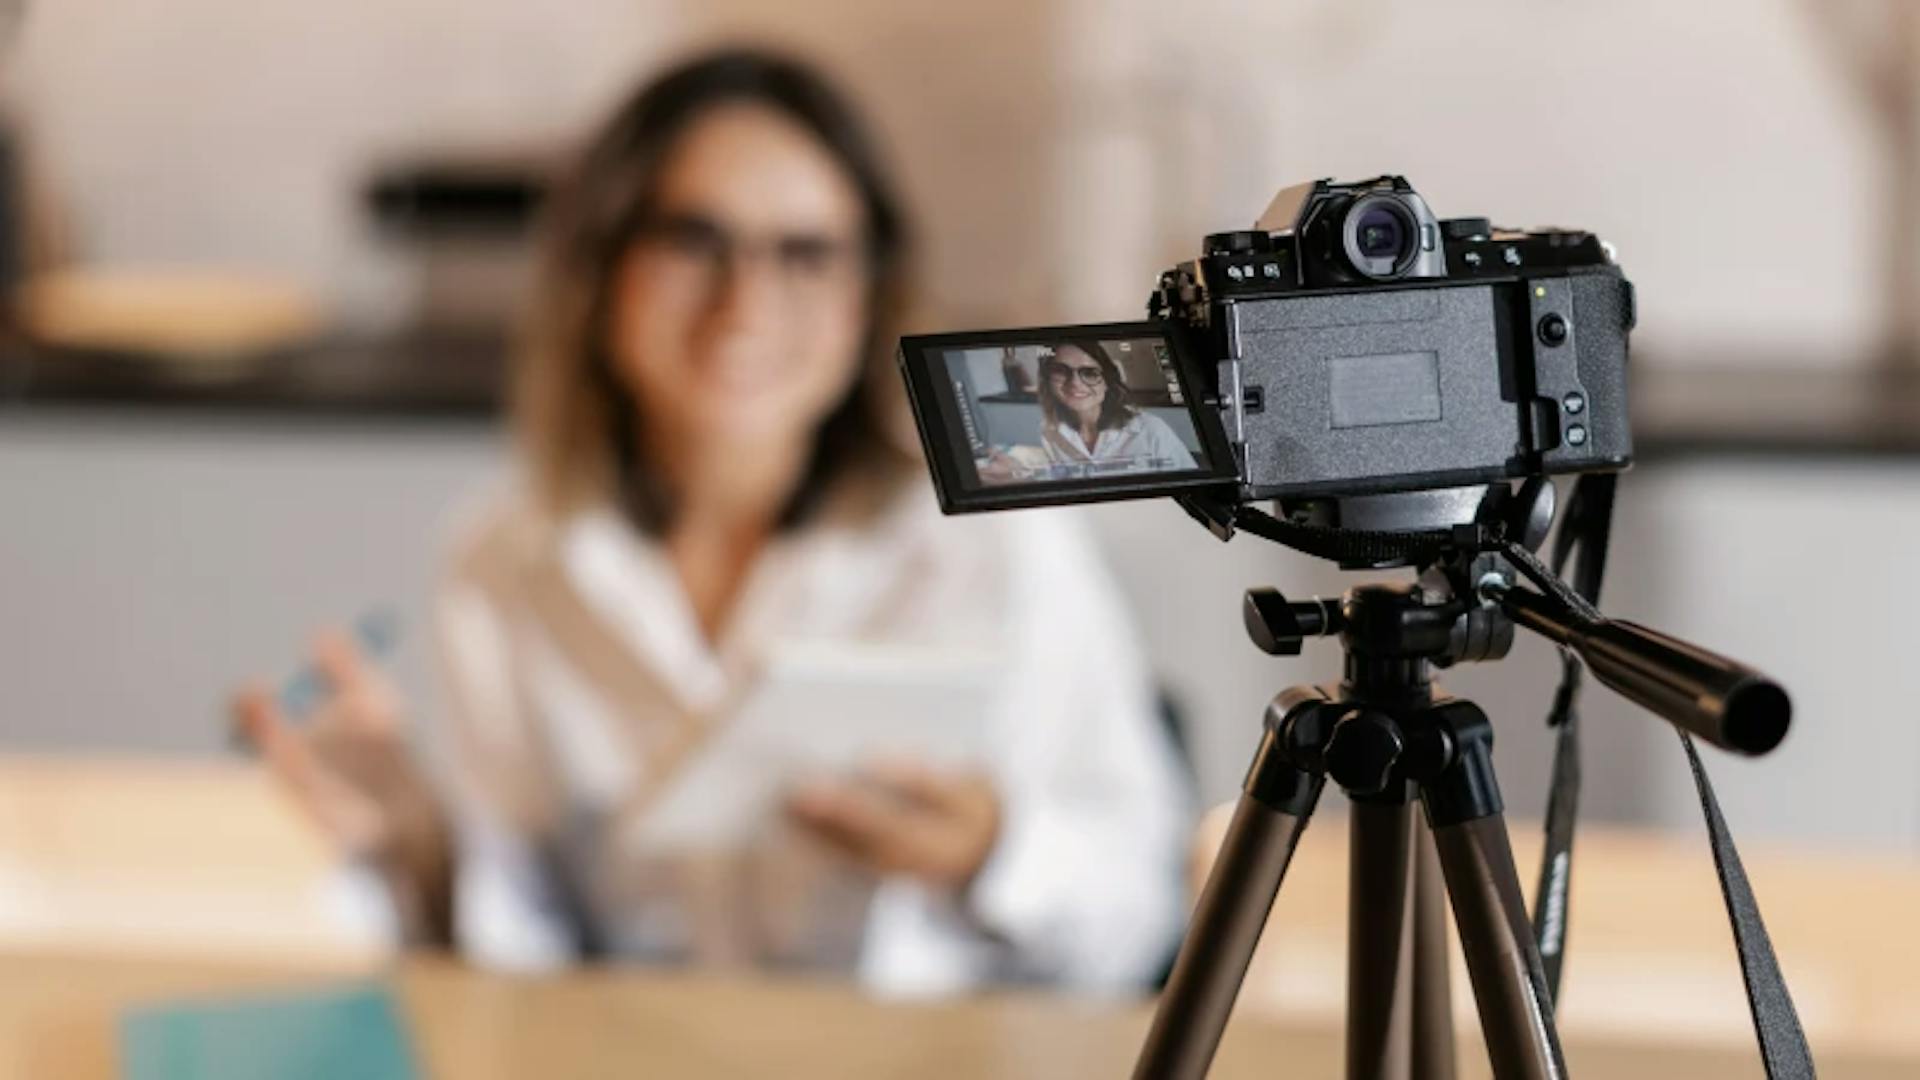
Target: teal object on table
point(309, 1035)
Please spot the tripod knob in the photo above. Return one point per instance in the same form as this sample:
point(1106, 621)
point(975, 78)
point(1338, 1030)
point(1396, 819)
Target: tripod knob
point(1277, 625)
point(1363, 751)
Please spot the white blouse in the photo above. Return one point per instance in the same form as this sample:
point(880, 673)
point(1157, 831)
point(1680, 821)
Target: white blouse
point(577, 677)
point(1144, 442)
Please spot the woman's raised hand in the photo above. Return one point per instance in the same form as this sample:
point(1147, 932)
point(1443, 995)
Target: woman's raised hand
point(348, 767)
point(999, 468)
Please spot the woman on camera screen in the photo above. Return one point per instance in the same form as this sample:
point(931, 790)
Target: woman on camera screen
point(705, 410)
point(1086, 416)
point(1088, 426)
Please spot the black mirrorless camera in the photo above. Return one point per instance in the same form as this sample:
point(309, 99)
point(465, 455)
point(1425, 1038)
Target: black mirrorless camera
point(1351, 343)
point(1385, 377)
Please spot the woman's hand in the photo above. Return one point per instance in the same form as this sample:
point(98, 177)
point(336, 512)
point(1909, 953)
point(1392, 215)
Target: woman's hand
point(999, 468)
point(907, 819)
point(348, 767)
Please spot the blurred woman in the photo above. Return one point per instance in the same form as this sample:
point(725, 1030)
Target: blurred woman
point(704, 418)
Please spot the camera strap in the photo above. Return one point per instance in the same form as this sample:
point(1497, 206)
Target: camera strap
point(1584, 532)
point(1350, 547)
point(1776, 1024)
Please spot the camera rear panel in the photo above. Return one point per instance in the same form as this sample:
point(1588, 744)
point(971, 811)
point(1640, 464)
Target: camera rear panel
point(1398, 389)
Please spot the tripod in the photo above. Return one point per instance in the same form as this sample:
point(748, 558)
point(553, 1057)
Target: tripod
point(1388, 739)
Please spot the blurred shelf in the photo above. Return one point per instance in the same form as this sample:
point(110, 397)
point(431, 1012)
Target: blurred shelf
point(1776, 412)
point(437, 377)
point(1678, 412)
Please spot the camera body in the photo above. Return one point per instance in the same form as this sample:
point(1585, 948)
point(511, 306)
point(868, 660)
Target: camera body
point(1350, 344)
point(1372, 347)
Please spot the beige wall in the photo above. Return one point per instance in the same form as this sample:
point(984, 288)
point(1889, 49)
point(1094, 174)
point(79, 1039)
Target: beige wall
point(238, 132)
point(1060, 150)
point(1711, 141)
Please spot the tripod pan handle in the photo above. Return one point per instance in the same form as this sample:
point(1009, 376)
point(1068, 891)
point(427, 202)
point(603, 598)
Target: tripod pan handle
point(1717, 699)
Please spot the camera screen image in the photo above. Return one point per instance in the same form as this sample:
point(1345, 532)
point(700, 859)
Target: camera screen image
point(1056, 414)
point(1074, 409)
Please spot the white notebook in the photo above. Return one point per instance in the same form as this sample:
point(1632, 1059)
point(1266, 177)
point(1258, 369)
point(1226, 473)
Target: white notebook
point(822, 710)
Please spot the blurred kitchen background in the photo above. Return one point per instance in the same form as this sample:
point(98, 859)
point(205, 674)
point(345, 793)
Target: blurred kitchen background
point(268, 255)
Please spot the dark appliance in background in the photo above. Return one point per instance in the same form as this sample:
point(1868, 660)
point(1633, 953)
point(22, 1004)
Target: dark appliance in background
point(466, 224)
point(13, 228)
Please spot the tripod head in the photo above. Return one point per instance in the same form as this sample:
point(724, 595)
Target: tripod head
point(1470, 599)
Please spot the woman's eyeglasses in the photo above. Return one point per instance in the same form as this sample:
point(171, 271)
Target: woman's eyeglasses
point(1090, 376)
point(701, 252)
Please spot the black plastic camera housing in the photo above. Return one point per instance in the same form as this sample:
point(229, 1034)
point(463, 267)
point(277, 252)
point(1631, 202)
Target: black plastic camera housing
point(1351, 343)
point(1448, 353)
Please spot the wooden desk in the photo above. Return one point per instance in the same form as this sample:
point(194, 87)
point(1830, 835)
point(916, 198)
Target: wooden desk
point(1649, 954)
point(203, 870)
point(146, 855)
point(58, 1014)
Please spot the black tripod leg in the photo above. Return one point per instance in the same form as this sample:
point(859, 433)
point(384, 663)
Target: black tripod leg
point(1509, 984)
point(1433, 1057)
point(1380, 961)
point(1229, 916)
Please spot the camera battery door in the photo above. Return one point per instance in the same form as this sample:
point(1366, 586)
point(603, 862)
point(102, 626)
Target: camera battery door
point(1395, 389)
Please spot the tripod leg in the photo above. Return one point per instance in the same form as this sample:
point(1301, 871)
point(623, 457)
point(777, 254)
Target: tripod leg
point(1380, 961)
point(1433, 1057)
point(1229, 916)
point(1470, 832)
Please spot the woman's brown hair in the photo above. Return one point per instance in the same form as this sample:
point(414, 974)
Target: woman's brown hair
point(1115, 411)
point(576, 422)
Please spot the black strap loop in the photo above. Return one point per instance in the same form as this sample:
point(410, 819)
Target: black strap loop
point(1583, 532)
point(1783, 1044)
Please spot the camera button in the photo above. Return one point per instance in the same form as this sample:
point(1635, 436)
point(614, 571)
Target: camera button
point(1577, 435)
point(1553, 329)
point(1574, 403)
